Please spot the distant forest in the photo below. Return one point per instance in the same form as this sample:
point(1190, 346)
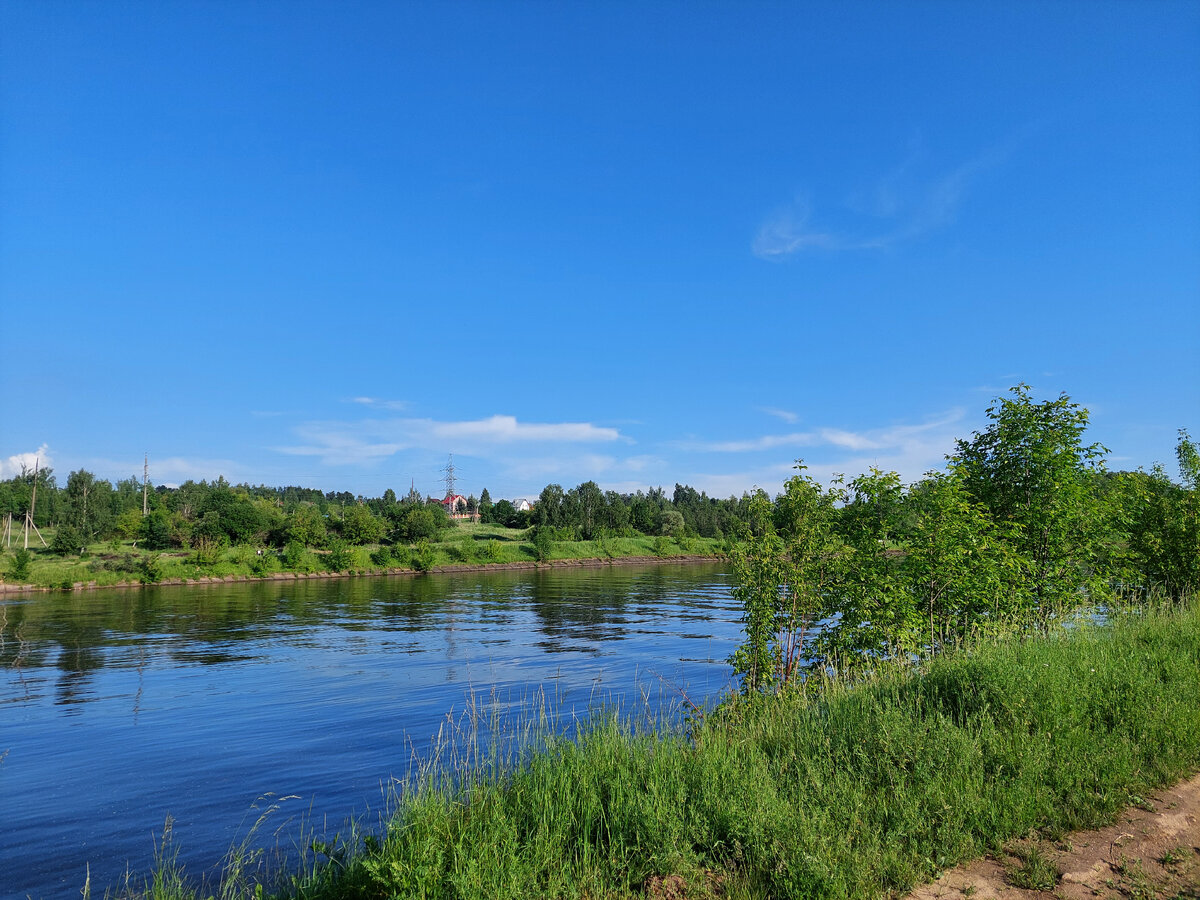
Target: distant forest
point(204, 514)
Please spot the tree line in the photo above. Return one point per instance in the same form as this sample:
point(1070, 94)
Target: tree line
point(204, 516)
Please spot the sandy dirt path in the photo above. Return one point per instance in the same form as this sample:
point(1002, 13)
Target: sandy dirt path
point(1151, 853)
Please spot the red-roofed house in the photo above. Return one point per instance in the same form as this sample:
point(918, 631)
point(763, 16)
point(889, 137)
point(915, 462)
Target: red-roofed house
point(456, 507)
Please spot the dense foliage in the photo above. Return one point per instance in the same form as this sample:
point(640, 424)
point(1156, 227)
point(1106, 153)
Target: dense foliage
point(206, 516)
point(1023, 528)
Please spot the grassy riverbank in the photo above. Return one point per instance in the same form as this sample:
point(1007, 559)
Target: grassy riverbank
point(842, 791)
point(465, 545)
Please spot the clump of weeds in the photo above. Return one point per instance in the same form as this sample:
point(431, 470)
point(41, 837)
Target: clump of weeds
point(1036, 871)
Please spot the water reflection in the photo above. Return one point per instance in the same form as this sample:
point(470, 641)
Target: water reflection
point(120, 707)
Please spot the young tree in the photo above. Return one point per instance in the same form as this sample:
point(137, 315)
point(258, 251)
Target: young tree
point(588, 505)
point(504, 513)
point(1162, 521)
point(788, 573)
point(359, 526)
point(1036, 478)
point(549, 509)
point(306, 526)
point(88, 505)
point(68, 540)
point(877, 610)
point(959, 568)
point(759, 568)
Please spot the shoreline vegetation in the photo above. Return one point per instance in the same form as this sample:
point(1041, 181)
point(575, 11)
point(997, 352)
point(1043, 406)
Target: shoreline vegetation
point(928, 672)
point(709, 552)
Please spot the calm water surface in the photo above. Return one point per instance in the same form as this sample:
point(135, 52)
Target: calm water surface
point(121, 708)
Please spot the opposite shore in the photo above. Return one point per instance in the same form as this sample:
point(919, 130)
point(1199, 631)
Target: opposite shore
point(586, 562)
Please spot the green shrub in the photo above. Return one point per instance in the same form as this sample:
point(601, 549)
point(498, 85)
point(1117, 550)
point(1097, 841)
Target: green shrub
point(206, 553)
point(67, 540)
point(423, 556)
point(18, 569)
point(339, 558)
point(262, 563)
point(465, 550)
point(543, 544)
point(150, 568)
point(296, 557)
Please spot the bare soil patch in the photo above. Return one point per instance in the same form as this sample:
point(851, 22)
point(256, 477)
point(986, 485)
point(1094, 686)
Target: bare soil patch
point(1152, 852)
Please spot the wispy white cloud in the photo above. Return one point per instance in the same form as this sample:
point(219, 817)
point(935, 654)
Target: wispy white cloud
point(370, 440)
point(910, 449)
point(788, 230)
point(913, 208)
point(849, 439)
point(376, 403)
point(13, 465)
point(749, 445)
point(504, 429)
point(790, 417)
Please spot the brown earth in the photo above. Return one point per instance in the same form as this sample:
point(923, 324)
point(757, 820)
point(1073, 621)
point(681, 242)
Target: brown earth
point(1151, 853)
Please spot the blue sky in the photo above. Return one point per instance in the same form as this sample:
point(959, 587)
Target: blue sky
point(329, 244)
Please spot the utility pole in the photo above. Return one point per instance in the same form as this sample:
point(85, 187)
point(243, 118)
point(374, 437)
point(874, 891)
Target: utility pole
point(448, 476)
point(145, 481)
point(29, 523)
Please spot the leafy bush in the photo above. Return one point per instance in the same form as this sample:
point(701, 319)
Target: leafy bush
point(492, 551)
point(67, 540)
point(262, 563)
point(150, 568)
point(294, 556)
point(339, 558)
point(18, 569)
point(672, 522)
point(463, 551)
point(543, 544)
point(422, 522)
point(206, 553)
point(383, 556)
point(155, 531)
point(423, 556)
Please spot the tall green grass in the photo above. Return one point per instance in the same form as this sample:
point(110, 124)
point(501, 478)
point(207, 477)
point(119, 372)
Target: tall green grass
point(836, 790)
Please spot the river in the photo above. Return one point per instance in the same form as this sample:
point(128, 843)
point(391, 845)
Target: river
point(120, 709)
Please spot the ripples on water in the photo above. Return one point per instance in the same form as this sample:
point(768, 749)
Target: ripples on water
point(119, 708)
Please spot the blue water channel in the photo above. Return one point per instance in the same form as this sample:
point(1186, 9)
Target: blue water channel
point(123, 709)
